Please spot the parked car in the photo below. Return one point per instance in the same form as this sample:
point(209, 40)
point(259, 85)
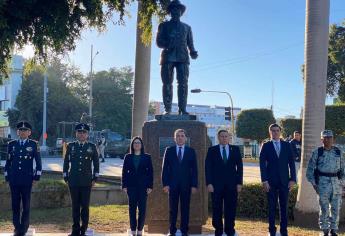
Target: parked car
point(117, 144)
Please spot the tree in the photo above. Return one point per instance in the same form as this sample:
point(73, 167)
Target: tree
point(315, 75)
point(112, 100)
point(54, 26)
point(141, 86)
point(62, 104)
point(290, 125)
point(253, 124)
point(335, 119)
point(336, 61)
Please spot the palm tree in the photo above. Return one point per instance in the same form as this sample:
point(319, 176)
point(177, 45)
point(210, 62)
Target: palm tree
point(316, 50)
point(141, 81)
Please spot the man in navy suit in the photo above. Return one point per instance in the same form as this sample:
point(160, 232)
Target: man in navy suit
point(224, 179)
point(278, 176)
point(179, 178)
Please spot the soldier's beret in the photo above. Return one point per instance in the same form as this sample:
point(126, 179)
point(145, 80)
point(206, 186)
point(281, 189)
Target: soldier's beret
point(24, 125)
point(176, 3)
point(326, 133)
point(81, 127)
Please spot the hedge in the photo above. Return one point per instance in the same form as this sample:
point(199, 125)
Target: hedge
point(252, 202)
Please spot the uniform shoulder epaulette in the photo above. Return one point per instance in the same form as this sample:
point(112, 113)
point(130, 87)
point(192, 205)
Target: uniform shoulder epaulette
point(70, 143)
point(11, 141)
point(33, 141)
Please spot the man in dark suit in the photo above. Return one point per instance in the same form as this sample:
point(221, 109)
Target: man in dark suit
point(20, 175)
point(179, 178)
point(77, 172)
point(278, 176)
point(224, 179)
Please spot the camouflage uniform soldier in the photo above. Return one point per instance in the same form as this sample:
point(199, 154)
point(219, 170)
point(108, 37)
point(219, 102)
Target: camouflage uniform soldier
point(326, 173)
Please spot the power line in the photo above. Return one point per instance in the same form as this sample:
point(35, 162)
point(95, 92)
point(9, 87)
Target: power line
point(237, 60)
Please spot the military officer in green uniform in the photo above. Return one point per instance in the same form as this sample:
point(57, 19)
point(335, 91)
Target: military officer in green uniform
point(326, 173)
point(80, 156)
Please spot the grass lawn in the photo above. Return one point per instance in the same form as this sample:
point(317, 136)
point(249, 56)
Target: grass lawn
point(114, 218)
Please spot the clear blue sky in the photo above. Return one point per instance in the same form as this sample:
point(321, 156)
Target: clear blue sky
point(244, 47)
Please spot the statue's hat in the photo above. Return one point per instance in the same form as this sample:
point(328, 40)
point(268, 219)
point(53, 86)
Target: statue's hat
point(176, 3)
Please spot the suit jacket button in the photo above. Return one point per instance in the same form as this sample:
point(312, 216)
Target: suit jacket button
point(79, 169)
point(20, 168)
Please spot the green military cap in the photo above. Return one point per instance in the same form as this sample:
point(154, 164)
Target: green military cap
point(326, 133)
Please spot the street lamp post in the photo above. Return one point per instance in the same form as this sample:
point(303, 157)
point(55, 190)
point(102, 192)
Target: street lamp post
point(232, 106)
point(44, 130)
point(91, 75)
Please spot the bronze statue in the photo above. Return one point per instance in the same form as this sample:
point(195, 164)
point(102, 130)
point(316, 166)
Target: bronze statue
point(176, 40)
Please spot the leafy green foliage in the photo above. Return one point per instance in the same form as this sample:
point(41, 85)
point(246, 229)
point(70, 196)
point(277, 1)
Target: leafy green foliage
point(336, 58)
point(62, 105)
point(253, 203)
point(336, 62)
point(253, 124)
point(290, 125)
point(335, 119)
point(55, 26)
point(112, 100)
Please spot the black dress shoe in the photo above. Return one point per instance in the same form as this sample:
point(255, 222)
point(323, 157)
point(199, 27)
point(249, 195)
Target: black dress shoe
point(325, 232)
point(74, 234)
point(185, 234)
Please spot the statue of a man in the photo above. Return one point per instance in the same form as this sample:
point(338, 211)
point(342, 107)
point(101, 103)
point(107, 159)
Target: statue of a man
point(176, 40)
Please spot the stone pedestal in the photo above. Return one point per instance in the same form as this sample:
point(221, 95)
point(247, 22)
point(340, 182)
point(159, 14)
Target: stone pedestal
point(157, 135)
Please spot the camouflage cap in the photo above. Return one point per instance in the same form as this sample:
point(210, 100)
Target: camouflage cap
point(326, 133)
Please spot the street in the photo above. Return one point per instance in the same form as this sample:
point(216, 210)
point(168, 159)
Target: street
point(113, 167)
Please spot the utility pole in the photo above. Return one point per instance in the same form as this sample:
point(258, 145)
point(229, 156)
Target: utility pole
point(91, 72)
point(44, 131)
point(91, 78)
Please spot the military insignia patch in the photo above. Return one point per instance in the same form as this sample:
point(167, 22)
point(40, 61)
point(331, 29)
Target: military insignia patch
point(29, 149)
point(89, 150)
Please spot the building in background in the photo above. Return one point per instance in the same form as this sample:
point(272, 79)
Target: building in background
point(8, 94)
point(212, 116)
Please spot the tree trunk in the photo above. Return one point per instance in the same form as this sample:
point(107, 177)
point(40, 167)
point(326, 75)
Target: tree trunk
point(316, 50)
point(141, 82)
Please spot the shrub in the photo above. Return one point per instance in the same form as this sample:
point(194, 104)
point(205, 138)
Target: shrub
point(253, 203)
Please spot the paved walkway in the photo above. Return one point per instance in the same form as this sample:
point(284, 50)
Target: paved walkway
point(106, 234)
